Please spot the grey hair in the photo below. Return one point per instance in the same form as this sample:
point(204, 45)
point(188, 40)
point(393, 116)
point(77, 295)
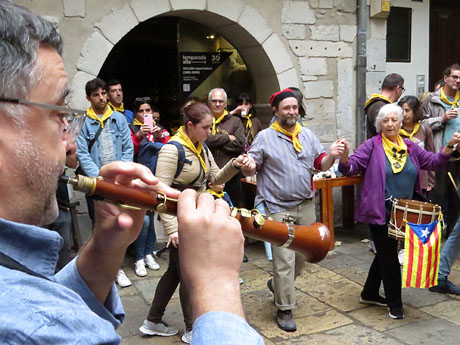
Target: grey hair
point(386, 110)
point(216, 89)
point(21, 33)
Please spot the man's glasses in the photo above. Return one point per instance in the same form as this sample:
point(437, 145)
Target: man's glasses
point(216, 101)
point(402, 89)
point(74, 117)
point(455, 77)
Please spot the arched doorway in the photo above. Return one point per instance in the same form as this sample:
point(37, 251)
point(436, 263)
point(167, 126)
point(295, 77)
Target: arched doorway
point(147, 62)
point(268, 61)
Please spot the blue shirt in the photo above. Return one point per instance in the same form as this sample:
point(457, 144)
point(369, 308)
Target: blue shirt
point(61, 310)
point(283, 174)
point(224, 329)
point(122, 143)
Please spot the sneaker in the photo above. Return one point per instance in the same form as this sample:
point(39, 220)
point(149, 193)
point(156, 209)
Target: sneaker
point(241, 280)
point(139, 268)
point(445, 286)
point(122, 280)
point(396, 313)
point(160, 328)
point(379, 300)
point(187, 337)
point(151, 263)
point(401, 257)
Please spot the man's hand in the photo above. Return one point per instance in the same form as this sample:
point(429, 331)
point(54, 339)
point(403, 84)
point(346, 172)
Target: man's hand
point(449, 115)
point(115, 228)
point(337, 148)
point(211, 253)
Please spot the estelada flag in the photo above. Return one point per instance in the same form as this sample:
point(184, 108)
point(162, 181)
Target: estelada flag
point(422, 249)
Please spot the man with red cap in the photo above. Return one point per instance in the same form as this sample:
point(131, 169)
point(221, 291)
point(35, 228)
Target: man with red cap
point(285, 154)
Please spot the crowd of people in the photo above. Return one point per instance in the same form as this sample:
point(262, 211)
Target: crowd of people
point(410, 153)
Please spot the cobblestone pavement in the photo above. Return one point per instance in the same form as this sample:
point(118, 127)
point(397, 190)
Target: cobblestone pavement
point(328, 310)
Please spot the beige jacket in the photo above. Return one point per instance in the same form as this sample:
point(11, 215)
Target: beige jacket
point(167, 167)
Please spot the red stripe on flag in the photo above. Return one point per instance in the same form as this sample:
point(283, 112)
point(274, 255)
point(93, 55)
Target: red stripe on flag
point(411, 258)
point(420, 262)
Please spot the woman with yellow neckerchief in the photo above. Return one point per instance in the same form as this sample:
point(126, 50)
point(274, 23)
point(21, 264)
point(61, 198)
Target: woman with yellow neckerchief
point(416, 129)
point(251, 123)
point(199, 168)
point(391, 169)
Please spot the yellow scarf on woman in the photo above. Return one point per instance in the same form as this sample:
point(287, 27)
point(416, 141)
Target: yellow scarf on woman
point(396, 154)
point(182, 138)
point(453, 104)
point(217, 195)
point(403, 132)
point(136, 122)
point(294, 135)
point(120, 109)
point(92, 115)
point(248, 120)
point(216, 122)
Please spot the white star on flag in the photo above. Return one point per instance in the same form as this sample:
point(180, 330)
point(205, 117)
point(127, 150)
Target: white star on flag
point(425, 232)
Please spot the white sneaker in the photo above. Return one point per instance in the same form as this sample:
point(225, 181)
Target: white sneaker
point(139, 268)
point(160, 328)
point(151, 263)
point(187, 337)
point(122, 280)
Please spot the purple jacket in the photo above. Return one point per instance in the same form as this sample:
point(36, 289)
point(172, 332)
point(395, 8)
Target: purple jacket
point(369, 160)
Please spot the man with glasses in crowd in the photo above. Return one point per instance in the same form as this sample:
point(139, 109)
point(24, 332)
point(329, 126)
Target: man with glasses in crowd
point(392, 89)
point(80, 304)
point(227, 139)
point(115, 95)
point(441, 109)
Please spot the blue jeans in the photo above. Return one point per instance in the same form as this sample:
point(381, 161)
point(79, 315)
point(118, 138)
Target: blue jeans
point(146, 239)
point(449, 252)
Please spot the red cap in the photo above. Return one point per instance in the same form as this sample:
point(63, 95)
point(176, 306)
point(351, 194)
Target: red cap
point(277, 97)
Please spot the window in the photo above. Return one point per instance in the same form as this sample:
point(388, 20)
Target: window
point(399, 24)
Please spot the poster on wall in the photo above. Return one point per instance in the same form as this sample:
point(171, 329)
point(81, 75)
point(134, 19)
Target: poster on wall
point(196, 67)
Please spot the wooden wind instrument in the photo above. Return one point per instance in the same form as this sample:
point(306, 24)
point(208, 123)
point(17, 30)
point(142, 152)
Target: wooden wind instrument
point(313, 241)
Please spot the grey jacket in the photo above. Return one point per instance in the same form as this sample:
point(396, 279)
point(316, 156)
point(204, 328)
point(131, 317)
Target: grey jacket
point(433, 110)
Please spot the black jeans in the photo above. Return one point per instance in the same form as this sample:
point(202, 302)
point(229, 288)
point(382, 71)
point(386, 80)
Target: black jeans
point(385, 267)
point(165, 289)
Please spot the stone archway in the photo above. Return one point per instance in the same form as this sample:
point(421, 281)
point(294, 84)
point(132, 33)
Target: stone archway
point(265, 55)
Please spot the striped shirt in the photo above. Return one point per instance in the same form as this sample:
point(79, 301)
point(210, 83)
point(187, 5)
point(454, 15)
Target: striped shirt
point(284, 175)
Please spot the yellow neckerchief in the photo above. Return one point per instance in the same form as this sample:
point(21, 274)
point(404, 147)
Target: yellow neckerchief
point(295, 140)
point(182, 138)
point(446, 100)
point(218, 195)
point(136, 122)
point(120, 109)
point(374, 96)
point(248, 120)
point(216, 122)
point(396, 154)
point(403, 132)
point(92, 115)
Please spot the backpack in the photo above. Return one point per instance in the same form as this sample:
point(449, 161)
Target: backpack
point(148, 155)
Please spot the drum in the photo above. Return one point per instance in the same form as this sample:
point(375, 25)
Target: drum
point(413, 211)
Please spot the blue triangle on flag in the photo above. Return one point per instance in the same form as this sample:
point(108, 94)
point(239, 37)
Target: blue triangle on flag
point(423, 231)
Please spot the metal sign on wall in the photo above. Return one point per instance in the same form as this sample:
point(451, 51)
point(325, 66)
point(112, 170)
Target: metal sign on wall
point(196, 67)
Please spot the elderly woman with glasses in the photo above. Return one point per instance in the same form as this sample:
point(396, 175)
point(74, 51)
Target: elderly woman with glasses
point(391, 167)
